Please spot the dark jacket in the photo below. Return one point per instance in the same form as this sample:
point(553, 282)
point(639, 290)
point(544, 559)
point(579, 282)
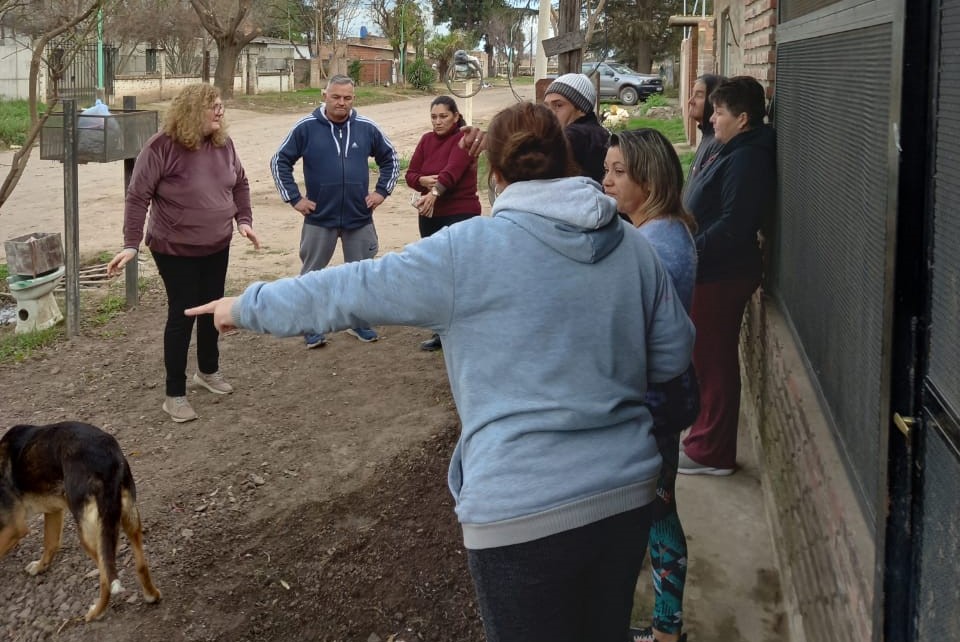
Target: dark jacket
point(730, 196)
point(335, 167)
point(707, 149)
point(588, 141)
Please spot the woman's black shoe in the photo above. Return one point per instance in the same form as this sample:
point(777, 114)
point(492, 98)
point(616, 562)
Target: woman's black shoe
point(432, 344)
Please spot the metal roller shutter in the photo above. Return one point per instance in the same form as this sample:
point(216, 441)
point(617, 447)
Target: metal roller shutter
point(829, 273)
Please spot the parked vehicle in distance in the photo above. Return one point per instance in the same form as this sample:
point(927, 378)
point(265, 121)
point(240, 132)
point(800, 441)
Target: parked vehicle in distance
point(622, 83)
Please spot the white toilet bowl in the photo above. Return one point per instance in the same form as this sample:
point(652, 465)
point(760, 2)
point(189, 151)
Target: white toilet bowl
point(36, 307)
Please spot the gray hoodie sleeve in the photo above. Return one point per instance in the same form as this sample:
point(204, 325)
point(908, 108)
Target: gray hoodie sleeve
point(670, 332)
point(413, 287)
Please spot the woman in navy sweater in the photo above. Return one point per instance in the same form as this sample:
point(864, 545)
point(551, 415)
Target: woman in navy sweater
point(730, 195)
point(445, 175)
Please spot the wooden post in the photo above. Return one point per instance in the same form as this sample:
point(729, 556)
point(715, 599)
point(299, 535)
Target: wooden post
point(71, 217)
point(468, 106)
point(569, 21)
point(131, 271)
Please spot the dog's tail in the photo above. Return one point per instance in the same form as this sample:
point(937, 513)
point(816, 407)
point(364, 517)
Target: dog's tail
point(108, 503)
point(134, 530)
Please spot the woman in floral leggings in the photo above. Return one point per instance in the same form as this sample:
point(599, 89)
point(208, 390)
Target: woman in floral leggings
point(643, 174)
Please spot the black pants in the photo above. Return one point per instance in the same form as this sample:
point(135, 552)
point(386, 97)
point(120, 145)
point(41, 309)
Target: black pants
point(190, 281)
point(575, 586)
point(433, 224)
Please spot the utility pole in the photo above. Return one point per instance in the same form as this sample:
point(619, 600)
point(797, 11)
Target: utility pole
point(403, 48)
point(101, 90)
point(543, 30)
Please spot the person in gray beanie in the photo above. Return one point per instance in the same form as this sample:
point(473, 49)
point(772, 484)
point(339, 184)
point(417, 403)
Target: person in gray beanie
point(572, 98)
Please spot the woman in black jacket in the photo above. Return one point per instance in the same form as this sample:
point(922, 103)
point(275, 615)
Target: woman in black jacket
point(729, 196)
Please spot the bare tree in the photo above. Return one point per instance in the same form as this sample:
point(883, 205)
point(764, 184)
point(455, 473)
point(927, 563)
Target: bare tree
point(171, 25)
point(231, 24)
point(594, 13)
point(401, 21)
point(333, 19)
point(45, 21)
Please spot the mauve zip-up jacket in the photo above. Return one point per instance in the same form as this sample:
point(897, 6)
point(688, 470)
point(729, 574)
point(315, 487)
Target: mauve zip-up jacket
point(335, 167)
point(194, 197)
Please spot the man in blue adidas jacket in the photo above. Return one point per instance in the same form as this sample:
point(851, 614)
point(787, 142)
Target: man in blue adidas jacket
point(335, 143)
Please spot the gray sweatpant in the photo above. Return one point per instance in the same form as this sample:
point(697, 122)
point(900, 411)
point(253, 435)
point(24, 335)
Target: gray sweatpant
point(318, 243)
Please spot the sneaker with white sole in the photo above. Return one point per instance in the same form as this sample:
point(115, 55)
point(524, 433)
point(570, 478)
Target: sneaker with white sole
point(214, 382)
point(179, 409)
point(313, 340)
point(689, 467)
point(367, 335)
point(646, 635)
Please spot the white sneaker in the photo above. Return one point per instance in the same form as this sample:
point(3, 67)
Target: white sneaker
point(688, 466)
point(179, 409)
point(213, 382)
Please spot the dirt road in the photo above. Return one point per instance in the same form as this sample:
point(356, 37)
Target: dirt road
point(37, 203)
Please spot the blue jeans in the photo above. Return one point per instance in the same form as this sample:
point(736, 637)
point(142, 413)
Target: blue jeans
point(575, 586)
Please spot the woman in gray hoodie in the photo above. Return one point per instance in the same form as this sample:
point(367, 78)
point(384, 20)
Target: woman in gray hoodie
point(556, 466)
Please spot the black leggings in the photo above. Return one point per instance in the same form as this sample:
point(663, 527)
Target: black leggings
point(433, 224)
point(190, 281)
point(575, 586)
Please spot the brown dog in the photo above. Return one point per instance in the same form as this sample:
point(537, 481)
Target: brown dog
point(75, 466)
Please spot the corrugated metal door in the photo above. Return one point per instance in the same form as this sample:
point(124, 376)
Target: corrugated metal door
point(936, 599)
point(832, 265)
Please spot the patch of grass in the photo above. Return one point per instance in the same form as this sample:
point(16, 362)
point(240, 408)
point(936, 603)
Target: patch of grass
point(14, 121)
point(672, 128)
point(654, 100)
point(14, 348)
point(686, 160)
point(404, 164)
point(306, 100)
point(104, 257)
point(4, 272)
point(109, 307)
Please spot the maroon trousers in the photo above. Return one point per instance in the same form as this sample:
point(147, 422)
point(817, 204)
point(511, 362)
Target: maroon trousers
point(717, 313)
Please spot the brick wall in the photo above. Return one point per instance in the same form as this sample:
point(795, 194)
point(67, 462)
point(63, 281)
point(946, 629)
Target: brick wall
point(759, 41)
point(823, 544)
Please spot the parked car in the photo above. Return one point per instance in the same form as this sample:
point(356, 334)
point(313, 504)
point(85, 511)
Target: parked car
point(622, 83)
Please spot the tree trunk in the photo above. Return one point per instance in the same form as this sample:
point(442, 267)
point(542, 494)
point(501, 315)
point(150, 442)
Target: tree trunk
point(227, 54)
point(644, 60)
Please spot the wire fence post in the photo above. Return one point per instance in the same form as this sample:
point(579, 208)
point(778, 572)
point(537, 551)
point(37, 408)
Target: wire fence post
point(131, 274)
point(71, 217)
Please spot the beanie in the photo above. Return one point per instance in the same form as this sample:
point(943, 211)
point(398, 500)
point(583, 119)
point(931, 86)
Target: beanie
point(576, 88)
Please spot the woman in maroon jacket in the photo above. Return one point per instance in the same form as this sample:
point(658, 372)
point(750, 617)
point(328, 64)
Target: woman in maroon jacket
point(445, 175)
point(190, 179)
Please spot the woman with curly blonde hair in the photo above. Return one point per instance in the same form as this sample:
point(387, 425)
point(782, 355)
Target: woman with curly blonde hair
point(189, 177)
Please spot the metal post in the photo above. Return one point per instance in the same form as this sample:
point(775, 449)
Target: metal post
point(71, 216)
point(543, 32)
point(101, 89)
point(131, 274)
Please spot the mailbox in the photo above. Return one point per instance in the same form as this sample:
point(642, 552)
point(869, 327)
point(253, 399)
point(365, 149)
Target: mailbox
point(100, 138)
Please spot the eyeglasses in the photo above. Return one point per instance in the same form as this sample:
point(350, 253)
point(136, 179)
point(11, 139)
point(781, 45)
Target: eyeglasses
point(217, 108)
